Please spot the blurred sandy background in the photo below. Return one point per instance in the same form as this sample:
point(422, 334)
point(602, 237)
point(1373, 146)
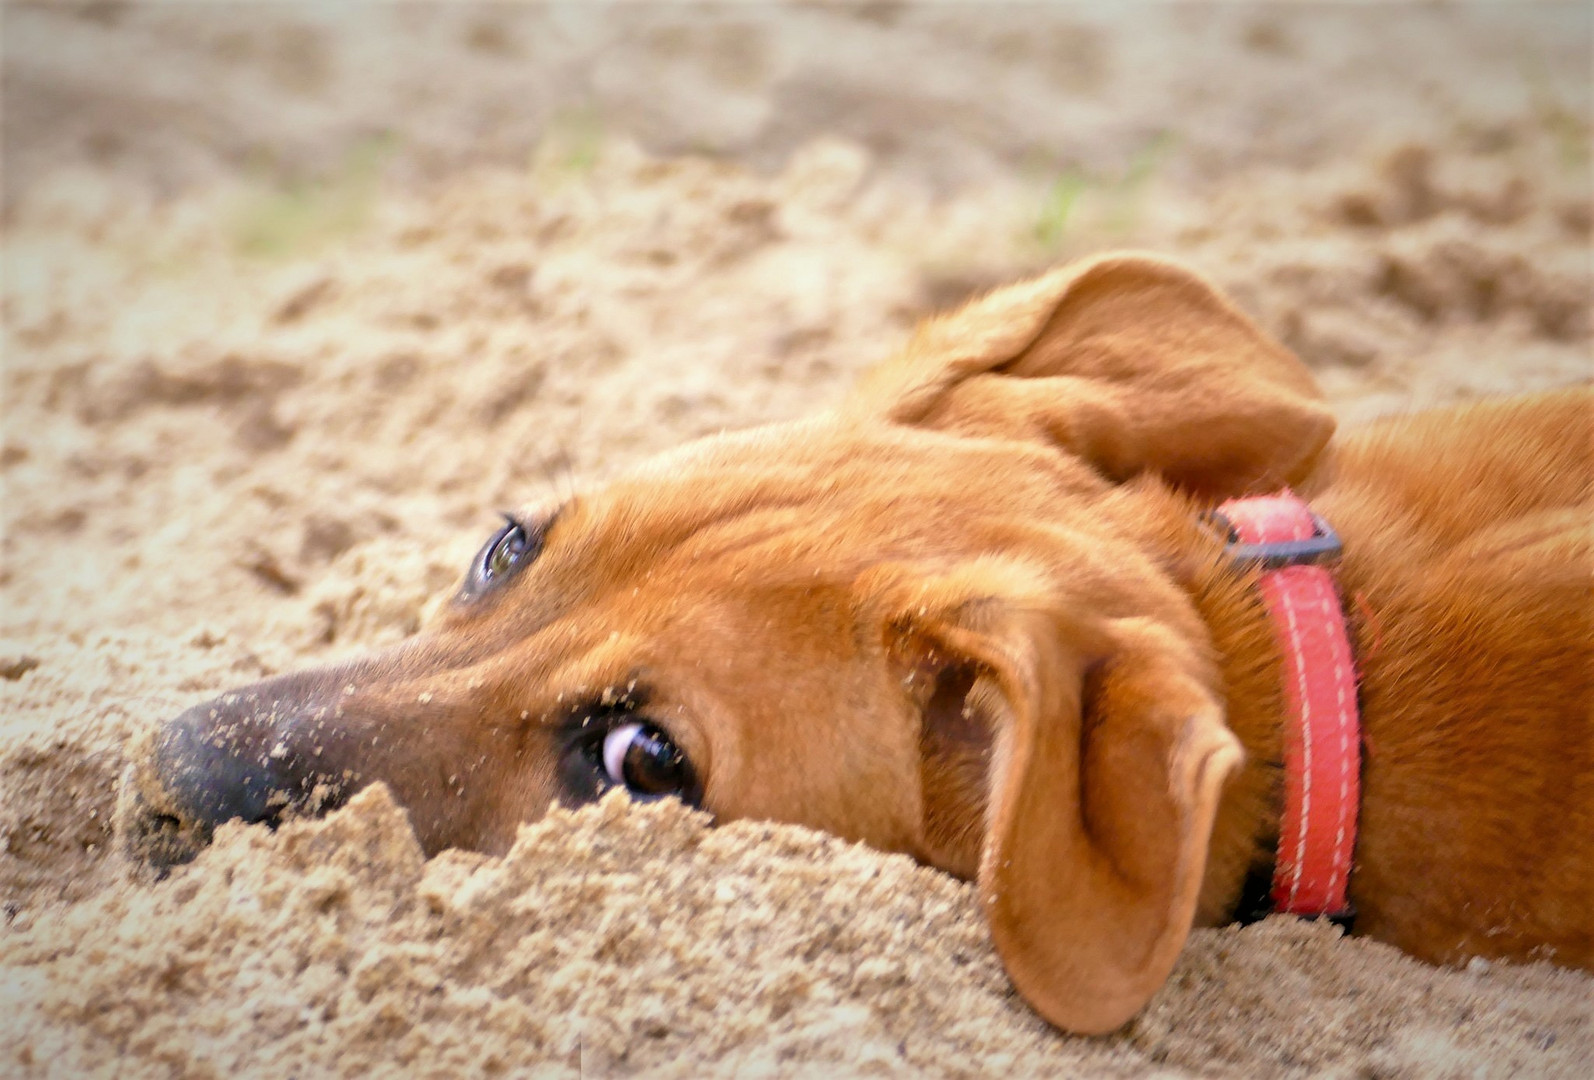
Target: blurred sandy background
point(296, 296)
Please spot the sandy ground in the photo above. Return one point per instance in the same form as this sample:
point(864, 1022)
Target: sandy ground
point(294, 301)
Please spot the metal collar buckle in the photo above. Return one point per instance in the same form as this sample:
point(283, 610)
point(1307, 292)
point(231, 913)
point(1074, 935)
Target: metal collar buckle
point(1322, 546)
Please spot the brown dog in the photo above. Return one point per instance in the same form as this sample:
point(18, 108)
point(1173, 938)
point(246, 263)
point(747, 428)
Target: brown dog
point(976, 615)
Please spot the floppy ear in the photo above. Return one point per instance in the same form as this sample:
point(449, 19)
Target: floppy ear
point(1107, 756)
point(1130, 361)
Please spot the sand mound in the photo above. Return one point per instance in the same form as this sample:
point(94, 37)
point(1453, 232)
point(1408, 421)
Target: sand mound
point(258, 418)
point(629, 938)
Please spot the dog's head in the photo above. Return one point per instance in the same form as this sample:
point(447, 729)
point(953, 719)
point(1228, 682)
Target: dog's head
point(926, 621)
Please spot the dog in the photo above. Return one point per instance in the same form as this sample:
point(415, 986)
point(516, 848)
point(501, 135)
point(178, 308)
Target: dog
point(988, 612)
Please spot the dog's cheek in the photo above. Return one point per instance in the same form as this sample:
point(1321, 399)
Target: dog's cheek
point(954, 763)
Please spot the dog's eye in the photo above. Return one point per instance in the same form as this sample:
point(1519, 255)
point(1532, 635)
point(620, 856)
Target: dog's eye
point(511, 547)
point(506, 552)
point(640, 757)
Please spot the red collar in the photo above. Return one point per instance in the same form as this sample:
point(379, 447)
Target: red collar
point(1322, 731)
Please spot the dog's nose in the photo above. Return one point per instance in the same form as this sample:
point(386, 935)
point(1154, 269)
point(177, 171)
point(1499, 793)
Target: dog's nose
point(216, 772)
point(240, 757)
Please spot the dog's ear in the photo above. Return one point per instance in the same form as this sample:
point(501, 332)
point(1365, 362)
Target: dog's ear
point(1106, 755)
point(1130, 361)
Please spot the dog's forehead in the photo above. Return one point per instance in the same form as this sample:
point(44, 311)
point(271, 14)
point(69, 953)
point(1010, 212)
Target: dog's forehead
point(833, 461)
point(721, 534)
point(817, 501)
point(807, 437)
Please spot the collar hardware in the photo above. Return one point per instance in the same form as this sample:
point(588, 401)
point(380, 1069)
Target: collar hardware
point(1321, 547)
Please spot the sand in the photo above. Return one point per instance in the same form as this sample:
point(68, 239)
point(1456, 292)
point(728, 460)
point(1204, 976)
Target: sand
point(624, 939)
point(268, 375)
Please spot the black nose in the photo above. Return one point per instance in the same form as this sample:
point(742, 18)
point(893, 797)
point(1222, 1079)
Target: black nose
point(252, 755)
point(217, 768)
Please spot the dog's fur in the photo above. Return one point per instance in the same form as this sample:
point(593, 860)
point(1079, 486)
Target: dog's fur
point(974, 615)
